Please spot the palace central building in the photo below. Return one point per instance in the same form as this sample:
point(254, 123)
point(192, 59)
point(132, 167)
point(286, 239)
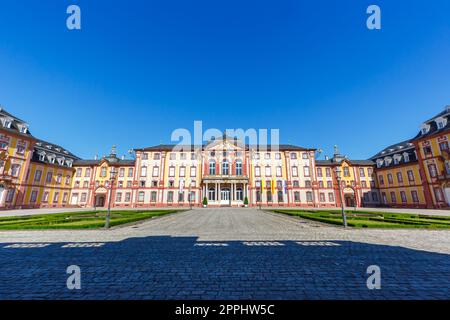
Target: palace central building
point(224, 172)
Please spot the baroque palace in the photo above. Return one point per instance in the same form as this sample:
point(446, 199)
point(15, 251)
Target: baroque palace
point(224, 172)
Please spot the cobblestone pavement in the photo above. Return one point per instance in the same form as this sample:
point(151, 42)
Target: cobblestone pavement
point(225, 254)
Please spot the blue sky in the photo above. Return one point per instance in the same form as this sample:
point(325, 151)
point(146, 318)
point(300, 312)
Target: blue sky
point(140, 69)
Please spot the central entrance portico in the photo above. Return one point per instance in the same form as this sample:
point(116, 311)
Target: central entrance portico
point(225, 181)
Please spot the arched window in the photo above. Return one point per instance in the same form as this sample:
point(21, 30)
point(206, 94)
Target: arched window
point(212, 194)
point(239, 194)
point(212, 167)
point(225, 168)
point(269, 196)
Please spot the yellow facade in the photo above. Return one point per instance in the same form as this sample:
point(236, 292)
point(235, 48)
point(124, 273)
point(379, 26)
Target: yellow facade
point(401, 186)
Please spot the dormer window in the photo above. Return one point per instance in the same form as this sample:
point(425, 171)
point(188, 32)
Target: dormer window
point(42, 156)
point(406, 156)
point(380, 163)
point(425, 128)
point(23, 128)
point(7, 122)
point(51, 158)
point(387, 161)
point(397, 158)
point(441, 122)
point(61, 161)
point(69, 163)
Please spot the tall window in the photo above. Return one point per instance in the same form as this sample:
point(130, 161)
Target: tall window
point(279, 172)
point(309, 196)
point(433, 171)
point(362, 172)
point(121, 172)
point(141, 196)
point(130, 172)
point(297, 196)
point(170, 196)
point(171, 171)
point(15, 169)
point(411, 176)
point(269, 196)
point(103, 172)
point(403, 196)
point(294, 171)
point(328, 172)
point(319, 172)
point(414, 196)
point(10, 195)
point(393, 197)
point(37, 176)
point(193, 171)
point(144, 171)
point(268, 171)
point(399, 177)
point(239, 168)
point(280, 196)
point(155, 171)
point(331, 197)
point(49, 177)
point(390, 179)
point(212, 194)
point(182, 171)
point(153, 196)
point(87, 173)
point(212, 167)
point(239, 194)
point(225, 168)
point(33, 197)
point(79, 171)
point(257, 171)
point(307, 171)
point(346, 172)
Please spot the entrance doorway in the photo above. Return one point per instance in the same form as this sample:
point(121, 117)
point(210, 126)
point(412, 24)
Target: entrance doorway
point(225, 196)
point(349, 200)
point(100, 201)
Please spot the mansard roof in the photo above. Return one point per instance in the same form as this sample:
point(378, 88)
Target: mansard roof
point(170, 147)
point(432, 124)
point(331, 162)
point(404, 146)
point(395, 155)
point(89, 163)
point(50, 150)
point(16, 125)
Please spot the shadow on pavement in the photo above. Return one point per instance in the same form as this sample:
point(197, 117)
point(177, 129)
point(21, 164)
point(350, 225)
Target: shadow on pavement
point(183, 268)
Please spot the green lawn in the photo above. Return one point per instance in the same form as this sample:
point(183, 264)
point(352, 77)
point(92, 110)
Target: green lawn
point(369, 219)
point(77, 220)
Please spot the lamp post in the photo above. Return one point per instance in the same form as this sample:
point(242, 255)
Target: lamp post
point(190, 196)
point(112, 178)
point(338, 178)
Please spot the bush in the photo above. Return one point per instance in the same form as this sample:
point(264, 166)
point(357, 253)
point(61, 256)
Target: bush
point(246, 201)
point(205, 201)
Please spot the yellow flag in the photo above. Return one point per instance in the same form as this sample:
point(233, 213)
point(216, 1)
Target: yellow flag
point(262, 186)
point(272, 186)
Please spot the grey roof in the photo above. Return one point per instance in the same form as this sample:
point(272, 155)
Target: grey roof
point(400, 147)
point(433, 126)
point(119, 162)
point(51, 148)
point(15, 124)
point(170, 147)
point(331, 162)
